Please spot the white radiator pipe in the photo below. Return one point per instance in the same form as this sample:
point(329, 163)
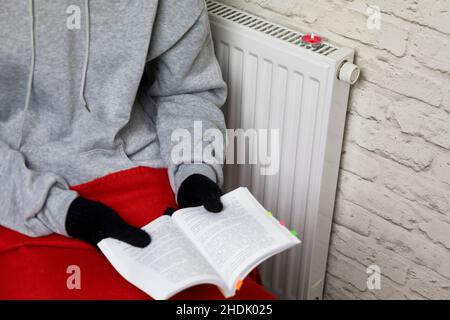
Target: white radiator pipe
point(349, 72)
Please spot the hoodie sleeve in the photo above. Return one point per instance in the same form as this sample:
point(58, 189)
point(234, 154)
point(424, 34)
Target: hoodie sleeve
point(31, 202)
point(187, 89)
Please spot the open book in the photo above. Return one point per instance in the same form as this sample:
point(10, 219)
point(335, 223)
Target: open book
point(195, 246)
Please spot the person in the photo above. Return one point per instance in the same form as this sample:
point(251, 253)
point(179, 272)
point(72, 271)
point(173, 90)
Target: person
point(89, 88)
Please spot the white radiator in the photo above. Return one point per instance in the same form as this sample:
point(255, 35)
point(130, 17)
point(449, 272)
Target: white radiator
point(277, 82)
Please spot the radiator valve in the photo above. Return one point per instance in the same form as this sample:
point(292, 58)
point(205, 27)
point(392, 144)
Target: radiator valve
point(348, 72)
point(312, 40)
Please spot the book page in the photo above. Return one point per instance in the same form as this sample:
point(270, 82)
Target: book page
point(169, 264)
point(237, 239)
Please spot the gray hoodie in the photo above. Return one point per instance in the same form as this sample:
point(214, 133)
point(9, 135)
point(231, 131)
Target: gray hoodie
point(91, 87)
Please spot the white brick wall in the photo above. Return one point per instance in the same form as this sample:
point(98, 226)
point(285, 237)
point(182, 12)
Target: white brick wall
point(393, 203)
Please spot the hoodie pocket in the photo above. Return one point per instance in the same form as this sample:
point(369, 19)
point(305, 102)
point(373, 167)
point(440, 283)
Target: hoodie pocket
point(107, 155)
point(94, 163)
point(124, 155)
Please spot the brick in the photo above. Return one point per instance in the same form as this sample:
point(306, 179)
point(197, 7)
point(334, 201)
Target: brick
point(353, 25)
point(290, 8)
point(411, 246)
point(430, 286)
point(370, 101)
point(336, 292)
point(390, 292)
point(348, 272)
point(378, 201)
point(360, 164)
point(431, 289)
point(446, 95)
point(337, 289)
point(432, 49)
point(390, 143)
point(441, 167)
point(392, 266)
point(423, 190)
point(352, 245)
point(438, 231)
point(401, 78)
point(352, 216)
point(360, 249)
point(434, 14)
point(419, 119)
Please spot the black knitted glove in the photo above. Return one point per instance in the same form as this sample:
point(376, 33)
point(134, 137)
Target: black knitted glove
point(197, 190)
point(92, 221)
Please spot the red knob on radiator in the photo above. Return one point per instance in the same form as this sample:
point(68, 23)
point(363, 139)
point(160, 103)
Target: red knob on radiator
point(312, 40)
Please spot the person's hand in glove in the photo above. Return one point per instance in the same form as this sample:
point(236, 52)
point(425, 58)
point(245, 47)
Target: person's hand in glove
point(197, 190)
point(92, 221)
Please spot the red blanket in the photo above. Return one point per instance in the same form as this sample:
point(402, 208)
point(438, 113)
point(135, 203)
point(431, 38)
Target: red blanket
point(36, 268)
